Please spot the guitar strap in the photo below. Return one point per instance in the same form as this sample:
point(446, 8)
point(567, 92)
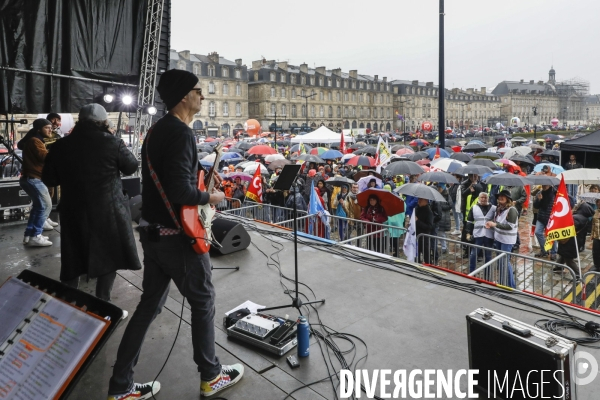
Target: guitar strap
point(159, 185)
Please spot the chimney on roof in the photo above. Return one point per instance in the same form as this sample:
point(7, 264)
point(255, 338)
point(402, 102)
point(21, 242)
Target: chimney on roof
point(531, 82)
point(238, 62)
point(415, 83)
point(271, 63)
point(185, 54)
point(469, 90)
point(304, 68)
point(385, 79)
point(336, 72)
point(540, 82)
point(283, 65)
point(353, 74)
point(320, 70)
point(376, 78)
point(522, 80)
point(256, 65)
point(483, 90)
point(429, 84)
point(214, 57)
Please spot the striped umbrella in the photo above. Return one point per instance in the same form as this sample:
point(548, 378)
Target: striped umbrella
point(419, 142)
point(317, 151)
point(361, 160)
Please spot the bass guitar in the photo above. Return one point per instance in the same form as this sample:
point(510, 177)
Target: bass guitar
point(196, 221)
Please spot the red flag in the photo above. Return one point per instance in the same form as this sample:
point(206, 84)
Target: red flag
point(254, 191)
point(437, 154)
point(342, 144)
point(560, 225)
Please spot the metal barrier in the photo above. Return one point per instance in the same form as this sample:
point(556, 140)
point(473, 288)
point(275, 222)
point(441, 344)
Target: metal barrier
point(229, 204)
point(590, 295)
point(519, 271)
point(381, 238)
point(264, 212)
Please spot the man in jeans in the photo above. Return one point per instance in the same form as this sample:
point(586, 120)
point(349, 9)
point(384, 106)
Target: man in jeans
point(170, 147)
point(544, 201)
point(477, 230)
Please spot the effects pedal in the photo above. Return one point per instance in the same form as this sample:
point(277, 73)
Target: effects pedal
point(293, 361)
point(282, 332)
point(258, 327)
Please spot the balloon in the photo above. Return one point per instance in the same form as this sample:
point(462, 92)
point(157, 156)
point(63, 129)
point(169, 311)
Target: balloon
point(427, 126)
point(252, 127)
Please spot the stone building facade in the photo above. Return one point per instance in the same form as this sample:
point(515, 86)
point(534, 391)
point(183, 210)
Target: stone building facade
point(224, 87)
point(302, 98)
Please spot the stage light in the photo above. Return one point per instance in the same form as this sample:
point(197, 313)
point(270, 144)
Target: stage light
point(108, 98)
point(151, 110)
point(127, 99)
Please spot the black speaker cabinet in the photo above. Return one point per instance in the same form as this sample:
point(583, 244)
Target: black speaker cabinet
point(131, 185)
point(12, 196)
point(135, 207)
point(232, 236)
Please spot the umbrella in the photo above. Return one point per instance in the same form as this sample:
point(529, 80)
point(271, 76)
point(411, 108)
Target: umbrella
point(262, 149)
point(423, 162)
point(446, 164)
point(581, 176)
point(475, 141)
point(556, 169)
point(474, 147)
point(553, 153)
point(366, 150)
point(262, 140)
point(397, 147)
point(419, 142)
point(439, 177)
point(339, 181)
point(518, 139)
point(204, 148)
point(245, 164)
point(278, 164)
point(317, 151)
point(243, 176)
point(520, 158)
point(224, 157)
point(543, 180)
point(403, 168)
point(391, 203)
point(357, 145)
point(235, 150)
point(311, 158)
point(504, 161)
point(488, 155)
point(520, 150)
point(550, 137)
point(251, 169)
point(464, 157)
point(431, 153)
point(346, 157)
point(362, 174)
point(448, 143)
point(420, 191)
point(331, 154)
point(363, 183)
point(413, 157)
point(507, 180)
point(536, 146)
point(589, 197)
point(502, 150)
point(361, 160)
point(243, 145)
point(473, 169)
point(483, 162)
point(295, 148)
point(273, 157)
point(202, 154)
point(402, 152)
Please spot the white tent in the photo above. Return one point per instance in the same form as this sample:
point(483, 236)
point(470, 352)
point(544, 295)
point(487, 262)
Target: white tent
point(322, 135)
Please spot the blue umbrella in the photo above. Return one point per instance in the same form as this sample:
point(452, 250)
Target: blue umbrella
point(231, 156)
point(476, 141)
point(556, 169)
point(431, 152)
point(331, 154)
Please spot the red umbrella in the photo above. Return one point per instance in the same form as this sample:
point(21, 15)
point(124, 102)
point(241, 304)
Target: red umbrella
point(423, 162)
point(402, 152)
point(262, 149)
point(391, 203)
point(361, 160)
point(209, 139)
point(419, 142)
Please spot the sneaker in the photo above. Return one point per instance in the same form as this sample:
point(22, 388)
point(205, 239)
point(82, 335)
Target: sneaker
point(40, 241)
point(455, 232)
point(47, 226)
point(553, 257)
point(140, 391)
point(27, 238)
point(541, 254)
point(125, 315)
point(229, 376)
point(49, 221)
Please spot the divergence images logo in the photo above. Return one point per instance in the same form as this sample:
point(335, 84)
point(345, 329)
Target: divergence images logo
point(586, 368)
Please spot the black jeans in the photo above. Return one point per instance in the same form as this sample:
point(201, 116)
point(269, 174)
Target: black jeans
point(170, 258)
point(104, 285)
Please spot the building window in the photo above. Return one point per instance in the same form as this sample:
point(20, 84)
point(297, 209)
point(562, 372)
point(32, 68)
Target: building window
point(345, 96)
point(225, 72)
point(353, 97)
point(282, 78)
point(368, 112)
point(272, 92)
point(329, 82)
point(374, 113)
point(312, 111)
point(283, 110)
point(195, 70)
point(321, 96)
point(339, 111)
point(330, 96)
point(387, 99)
point(321, 81)
point(211, 70)
point(273, 109)
point(321, 111)
point(381, 99)
point(225, 89)
point(294, 111)
point(302, 93)
point(238, 109)
point(337, 83)
point(346, 84)
point(312, 80)
point(238, 90)
point(238, 74)
point(354, 111)
point(211, 109)
point(330, 112)
point(360, 97)
point(273, 75)
point(338, 96)
point(293, 93)
point(283, 93)
point(293, 79)
point(304, 111)
point(211, 87)
point(225, 109)
point(303, 80)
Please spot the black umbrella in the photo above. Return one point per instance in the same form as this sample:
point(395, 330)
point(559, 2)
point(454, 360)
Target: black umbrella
point(278, 164)
point(488, 155)
point(507, 179)
point(420, 191)
point(366, 150)
point(483, 162)
point(473, 169)
point(523, 159)
point(398, 147)
point(451, 143)
point(243, 145)
point(423, 154)
point(339, 181)
point(553, 153)
point(236, 150)
point(551, 136)
point(518, 139)
point(543, 180)
point(357, 145)
point(474, 148)
point(311, 158)
point(296, 147)
point(411, 157)
point(362, 174)
point(437, 176)
point(464, 157)
point(403, 168)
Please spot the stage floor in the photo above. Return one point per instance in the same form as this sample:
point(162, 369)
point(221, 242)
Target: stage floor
point(408, 320)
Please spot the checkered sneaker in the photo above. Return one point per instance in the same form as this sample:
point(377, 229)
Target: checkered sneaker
point(229, 376)
point(139, 391)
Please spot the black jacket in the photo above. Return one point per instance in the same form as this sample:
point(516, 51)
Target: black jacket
point(465, 191)
point(95, 221)
point(424, 219)
point(544, 206)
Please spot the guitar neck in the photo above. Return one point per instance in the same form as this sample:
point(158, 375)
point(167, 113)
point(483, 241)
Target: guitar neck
point(211, 172)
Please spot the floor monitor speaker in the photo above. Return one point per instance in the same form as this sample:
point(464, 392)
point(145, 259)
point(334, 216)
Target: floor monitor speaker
point(232, 236)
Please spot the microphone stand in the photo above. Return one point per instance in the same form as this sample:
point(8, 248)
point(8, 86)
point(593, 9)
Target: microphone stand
point(296, 302)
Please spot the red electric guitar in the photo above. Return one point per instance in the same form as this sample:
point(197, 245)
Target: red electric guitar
point(196, 221)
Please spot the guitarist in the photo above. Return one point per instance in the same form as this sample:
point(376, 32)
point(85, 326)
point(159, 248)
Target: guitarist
point(171, 149)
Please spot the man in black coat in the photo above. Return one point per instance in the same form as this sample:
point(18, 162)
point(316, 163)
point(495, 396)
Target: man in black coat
point(96, 234)
point(544, 201)
point(469, 190)
point(424, 224)
point(567, 250)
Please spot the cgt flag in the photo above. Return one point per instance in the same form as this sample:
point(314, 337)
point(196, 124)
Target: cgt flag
point(342, 144)
point(560, 225)
point(437, 153)
point(254, 191)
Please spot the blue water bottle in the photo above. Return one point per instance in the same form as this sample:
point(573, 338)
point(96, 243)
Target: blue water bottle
point(303, 337)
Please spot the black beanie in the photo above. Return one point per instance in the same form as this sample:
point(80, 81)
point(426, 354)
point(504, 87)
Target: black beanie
point(40, 123)
point(174, 85)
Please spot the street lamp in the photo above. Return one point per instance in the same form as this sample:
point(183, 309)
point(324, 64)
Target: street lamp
point(306, 98)
point(404, 119)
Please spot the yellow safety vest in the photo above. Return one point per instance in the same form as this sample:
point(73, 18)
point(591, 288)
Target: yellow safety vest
point(470, 204)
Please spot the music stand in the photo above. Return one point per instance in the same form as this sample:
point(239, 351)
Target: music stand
point(287, 181)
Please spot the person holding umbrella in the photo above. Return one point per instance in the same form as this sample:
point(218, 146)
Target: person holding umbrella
point(395, 233)
point(375, 213)
point(424, 224)
point(505, 222)
point(544, 201)
point(353, 209)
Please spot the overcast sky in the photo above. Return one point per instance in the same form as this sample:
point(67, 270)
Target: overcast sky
point(486, 41)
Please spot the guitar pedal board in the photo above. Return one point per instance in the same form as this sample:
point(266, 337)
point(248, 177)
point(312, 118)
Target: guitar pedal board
point(273, 334)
